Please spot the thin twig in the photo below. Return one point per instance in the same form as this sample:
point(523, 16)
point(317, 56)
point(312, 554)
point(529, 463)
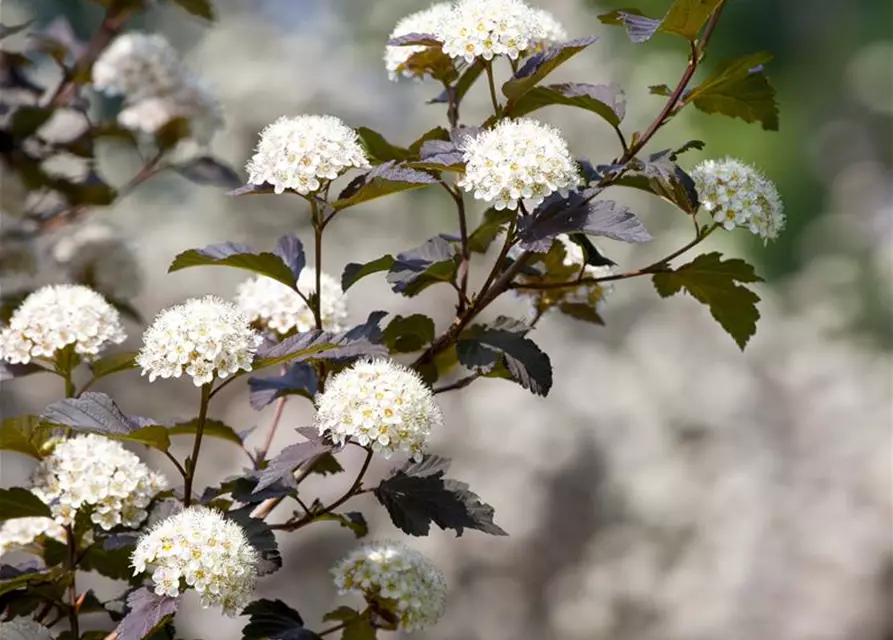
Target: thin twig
point(459, 384)
point(196, 447)
point(277, 416)
point(72, 586)
point(176, 463)
point(488, 67)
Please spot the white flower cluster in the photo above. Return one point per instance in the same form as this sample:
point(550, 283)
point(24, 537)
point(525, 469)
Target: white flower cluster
point(99, 472)
point(517, 160)
point(203, 337)
point(278, 308)
point(425, 21)
point(24, 629)
point(397, 577)
point(553, 30)
point(299, 153)
point(98, 252)
point(146, 70)
point(56, 316)
point(21, 532)
point(379, 403)
point(737, 195)
point(204, 550)
point(487, 28)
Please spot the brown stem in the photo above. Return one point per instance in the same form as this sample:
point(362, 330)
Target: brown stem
point(464, 266)
point(72, 587)
point(197, 445)
point(176, 463)
point(488, 67)
point(277, 416)
point(459, 384)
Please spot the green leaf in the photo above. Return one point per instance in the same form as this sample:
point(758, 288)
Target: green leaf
point(213, 428)
point(27, 120)
point(660, 90)
point(412, 333)
point(380, 149)
point(114, 363)
point(210, 171)
point(154, 436)
point(239, 256)
point(686, 18)
point(482, 347)
point(639, 27)
point(385, 179)
point(326, 465)
point(359, 626)
point(355, 271)
point(490, 228)
point(23, 435)
point(170, 134)
point(415, 270)
point(275, 620)
point(200, 8)
point(111, 563)
point(17, 502)
point(739, 89)
point(584, 312)
point(352, 520)
point(714, 282)
point(540, 65)
point(24, 579)
point(607, 101)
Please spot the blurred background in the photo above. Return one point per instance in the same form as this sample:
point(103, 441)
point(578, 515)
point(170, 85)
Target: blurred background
point(669, 487)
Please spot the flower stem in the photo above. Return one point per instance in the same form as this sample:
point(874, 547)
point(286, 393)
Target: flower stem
point(277, 416)
point(488, 66)
point(72, 586)
point(192, 463)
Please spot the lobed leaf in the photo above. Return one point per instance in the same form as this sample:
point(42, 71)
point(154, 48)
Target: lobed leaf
point(240, 256)
point(483, 347)
point(274, 620)
point(280, 469)
point(408, 334)
point(686, 18)
point(148, 611)
point(385, 179)
point(540, 65)
point(298, 379)
point(739, 89)
point(261, 538)
point(210, 171)
point(415, 270)
point(715, 282)
point(608, 101)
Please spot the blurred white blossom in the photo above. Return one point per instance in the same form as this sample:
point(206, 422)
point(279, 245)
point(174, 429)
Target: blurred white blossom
point(56, 316)
point(200, 549)
point(97, 253)
point(397, 577)
point(21, 532)
point(90, 470)
point(737, 195)
point(553, 31)
point(379, 403)
point(301, 153)
point(488, 28)
point(203, 338)
point(425, 21)
point(278, 308)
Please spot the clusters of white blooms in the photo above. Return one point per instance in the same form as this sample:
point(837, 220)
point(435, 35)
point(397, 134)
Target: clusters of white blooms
point(203, 337)
point(56, 316)
point(487, 28)
point(517, 160)
point(400, 578)
point(20, 532)
point(99, 472)
point(425, 21)
point(737, 195)
point(279, 308)
point(98, 252)
point(379, 403)
point(204, 550)
point(298, 153)
point(146, 70)
point(24, 629)
point(553, 30)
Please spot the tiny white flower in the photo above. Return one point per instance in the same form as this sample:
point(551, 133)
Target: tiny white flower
point(737, 195)
point(137, 65)
point(200, 549)
point(518, 160)
point(303, 152)
point(276, 307)
point(56, 316)
point(488, 28)
point(96, 471)
point(379, 403)
point(425, 21)
point(21, 532)
point(203, 337)
point(397, 577)
point(24, 629)
point(98, 252)
point(553, 30)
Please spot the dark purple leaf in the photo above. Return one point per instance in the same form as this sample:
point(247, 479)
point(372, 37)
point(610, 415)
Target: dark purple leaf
point(542, 64)
point(317, 345)
point(481, 347)
point(612, 221)
point(299, 378)
point(355, 271)
point(261, 538)
point(415, 40)
point(291, 251)
point(11, 371)
point(415, 270)
point(274, 620)
point(280, 469)
point(251, 189)
point(608, 101)
point(93, 411)
point(239, 256)
point(147, 611)
point(639, 27)
point(207, 170)
point(385, 179)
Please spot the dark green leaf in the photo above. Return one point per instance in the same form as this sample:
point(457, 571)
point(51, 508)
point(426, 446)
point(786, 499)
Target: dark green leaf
point(24, 435)
point(111, 563)
point(261, 538)
point(275, 620)
point(17, 502)
point(412, 333)
point(14, 579)
point(417, 495)
point(481, 347)
point(154, 436)
point(584, 312)
point(385, 179)
point(660, 90)
point(148, 611)
point(639, 27)
point(327, 465)
point(490, 228)
point(114, 363)
point(320, 345)
point(213, 428)
point(739, 89)
point(415, 270)
point(240, 256)
point(686, 17)
point(715, 283)
point(352, 520)
point(92, 190)
point(380, 149)
point(208, 170)
point(607, 101)
point(173, 132)
point(358, 627)
point(437, 133)
point(540, 65)
point(92, 411)
point(27, 120)
point(355, 271)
